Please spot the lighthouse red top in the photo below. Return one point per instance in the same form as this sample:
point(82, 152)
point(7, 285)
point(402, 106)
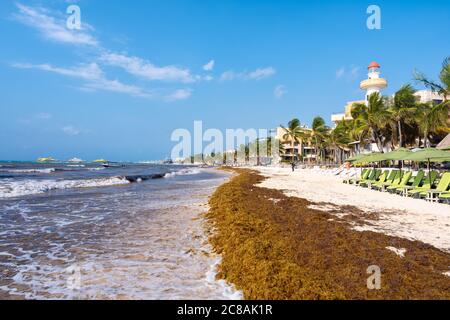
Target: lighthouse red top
point(373, 65)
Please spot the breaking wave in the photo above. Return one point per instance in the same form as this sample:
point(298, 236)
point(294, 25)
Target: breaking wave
point(11, 189)
point(49, 170)
point(183, 172)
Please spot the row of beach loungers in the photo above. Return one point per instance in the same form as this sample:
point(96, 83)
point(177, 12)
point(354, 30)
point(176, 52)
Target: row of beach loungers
point(431, 186)
point(341, 171)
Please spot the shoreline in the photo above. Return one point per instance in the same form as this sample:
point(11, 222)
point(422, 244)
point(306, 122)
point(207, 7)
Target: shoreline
point(153, 245)
point(278, 247)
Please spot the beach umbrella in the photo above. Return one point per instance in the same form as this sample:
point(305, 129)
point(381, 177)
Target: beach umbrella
point(428, 155)
point(356, 157)
point(372, 157)
point(398, 154)
point(393, 155)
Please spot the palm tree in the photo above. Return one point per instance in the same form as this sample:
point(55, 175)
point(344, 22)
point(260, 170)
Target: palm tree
point(403, 109)
point(317, 135)
point(430, 119)
point(373, 117)
point(293, 133)
point(357, 131)
point(442, 88)
point(338, 139)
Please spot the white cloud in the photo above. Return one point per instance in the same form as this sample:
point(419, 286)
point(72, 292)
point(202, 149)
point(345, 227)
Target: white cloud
point(84, 71)
point(351, 73)
point(228, 75)
point(259, 73)
point(52, 28)
point(94, 77)
point(71, 130)
point(180, 94)
point(354, 72)
point(340, 72)
point(209, 66)
point(279, 91)
point(44, 116)
point(119, 87)
point(142, 68)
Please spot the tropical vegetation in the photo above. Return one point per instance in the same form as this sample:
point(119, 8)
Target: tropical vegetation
point(389, 122)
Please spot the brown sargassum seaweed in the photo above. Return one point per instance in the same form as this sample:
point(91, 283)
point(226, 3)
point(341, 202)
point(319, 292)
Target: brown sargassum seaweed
point(274, 247)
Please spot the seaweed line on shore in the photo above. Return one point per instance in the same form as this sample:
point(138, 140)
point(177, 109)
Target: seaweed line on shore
point(282, 248)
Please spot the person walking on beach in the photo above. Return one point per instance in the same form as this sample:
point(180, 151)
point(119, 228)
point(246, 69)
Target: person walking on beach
point(293, 166)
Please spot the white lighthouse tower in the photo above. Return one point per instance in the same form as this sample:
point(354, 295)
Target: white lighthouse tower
point(374, 83)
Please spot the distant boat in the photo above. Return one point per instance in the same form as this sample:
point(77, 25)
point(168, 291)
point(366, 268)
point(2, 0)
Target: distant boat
point(49, 159)
point(168, 161)
point(75, 160)
point(112, 165)
point(101, 161)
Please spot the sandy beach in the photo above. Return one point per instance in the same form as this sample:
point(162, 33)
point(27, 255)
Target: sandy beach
point(386, 213)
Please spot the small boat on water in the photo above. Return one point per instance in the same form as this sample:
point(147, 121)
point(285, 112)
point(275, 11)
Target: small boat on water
point(75, 160)
point(100, 161)
point(112, 165)
point(44, 160)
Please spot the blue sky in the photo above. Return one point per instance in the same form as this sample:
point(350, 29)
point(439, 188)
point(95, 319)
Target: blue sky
point(138, 70)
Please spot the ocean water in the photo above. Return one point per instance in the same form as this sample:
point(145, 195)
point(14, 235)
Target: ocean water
point(87, 232)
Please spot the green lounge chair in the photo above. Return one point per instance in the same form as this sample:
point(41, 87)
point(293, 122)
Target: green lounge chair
point(442, 187)
point(403, 182)
point(426, 184)
point(445, 197)
point(364, 174)
point(373, 177)
point(417, 180)
point(394, 177)
point(382, 178)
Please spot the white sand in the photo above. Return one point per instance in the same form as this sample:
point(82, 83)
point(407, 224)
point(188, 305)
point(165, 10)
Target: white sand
point(408, 218)
point(400, 252)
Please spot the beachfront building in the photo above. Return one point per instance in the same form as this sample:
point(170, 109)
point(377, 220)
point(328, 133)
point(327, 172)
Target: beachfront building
point(295, 150)
point(426, 96)
point(347, 114)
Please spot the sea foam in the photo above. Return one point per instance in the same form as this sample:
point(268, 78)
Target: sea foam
point(11, 189)
point(49, 170)
point(183, 172)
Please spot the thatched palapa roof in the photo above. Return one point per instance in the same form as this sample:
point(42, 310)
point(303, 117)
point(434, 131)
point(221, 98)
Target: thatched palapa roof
point(444, 144)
